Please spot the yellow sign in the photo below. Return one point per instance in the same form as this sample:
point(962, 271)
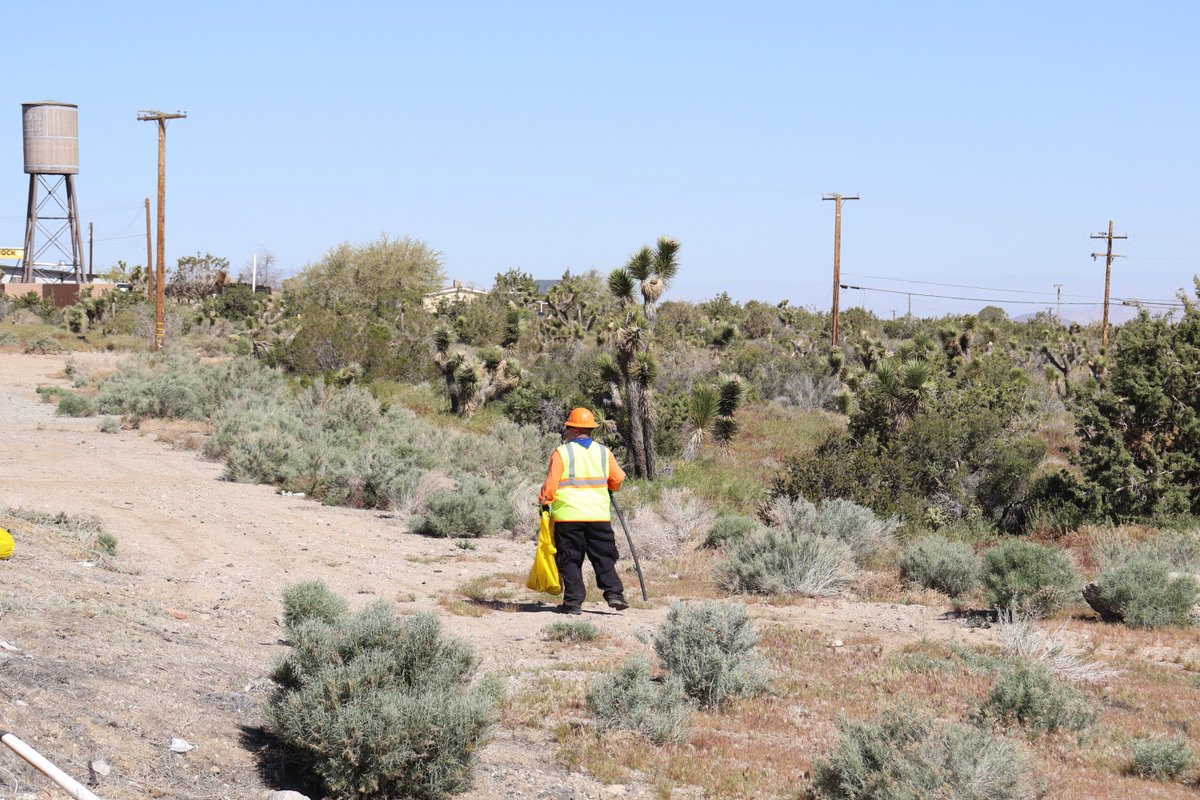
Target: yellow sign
point(12, 252)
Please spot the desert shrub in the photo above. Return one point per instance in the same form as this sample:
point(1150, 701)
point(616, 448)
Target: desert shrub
point(1020, 637)
point(381, 707)
point(857, 526)
point(1145, 594)
point(1179, 549)
point(686, 514)
point(71, 404)
point(1029, 695)
point(631, 699)
point(476, 508)
point(1162, 759)
point(783, 562)
point(571, 632)
point(105, 544)
point(109, 425)
point(904, 755)
point(1031, 577)
point(41, 344)
point(80, 523)
point(841, 520)
point(935, 562)
point(729, 529)
point(710, 648)
point(312, 600)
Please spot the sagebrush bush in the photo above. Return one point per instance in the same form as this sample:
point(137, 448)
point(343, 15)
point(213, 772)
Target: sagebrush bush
point(783, 562)
point(710, 647)
point(841, 520)
point(904, 755)
point(571, 632)
point(730, 529)
point(632, 699)
point(71, 404)
point(1020, 637)
point(1030, 695)
point(380, 707)
point(109, 425)
point(1030, 577)
point(312, 600)
point(935, 562)
point(1162, 759)
point(476, 508)
point(1145, 594)
point(1179, 549)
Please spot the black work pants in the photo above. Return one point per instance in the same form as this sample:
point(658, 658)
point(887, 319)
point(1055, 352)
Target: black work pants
point(597, 541)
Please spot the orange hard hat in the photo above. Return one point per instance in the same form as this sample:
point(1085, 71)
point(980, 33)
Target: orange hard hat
point(581, 418)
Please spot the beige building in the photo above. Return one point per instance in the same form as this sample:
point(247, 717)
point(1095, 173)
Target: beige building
point(451, 294)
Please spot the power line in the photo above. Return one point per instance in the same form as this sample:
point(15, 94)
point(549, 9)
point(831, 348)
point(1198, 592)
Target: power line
point(1130, 300)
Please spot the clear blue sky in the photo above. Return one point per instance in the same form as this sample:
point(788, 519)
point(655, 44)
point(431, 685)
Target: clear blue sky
point(987, 139)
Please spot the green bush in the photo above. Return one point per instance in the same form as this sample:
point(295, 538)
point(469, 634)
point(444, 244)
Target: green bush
point(935, 562)
point(730, 529)
point(378, 706)
point(631, 699)
point(1162, 759)
point(710, 648)
point(782, 562)
point(476, 508)
point(41, 344)
point(571, 632)
point(1030, 695)
point(904, 755)
point(312, 600)
point(109, 425)
point(71, 404)
point(1029, 577)
point(1145, 594)
point(840, 520)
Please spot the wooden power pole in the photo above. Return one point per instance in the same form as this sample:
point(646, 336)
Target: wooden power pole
point(1108, 259)
point(160, 323)
point(837, 254)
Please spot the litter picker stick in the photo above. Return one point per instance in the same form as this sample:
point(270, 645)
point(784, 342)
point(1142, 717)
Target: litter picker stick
point(68, 784)
point(637, 565)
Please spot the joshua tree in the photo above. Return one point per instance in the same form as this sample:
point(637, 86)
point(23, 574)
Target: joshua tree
point(711, 411)
point(649, 272)
point(471, 381)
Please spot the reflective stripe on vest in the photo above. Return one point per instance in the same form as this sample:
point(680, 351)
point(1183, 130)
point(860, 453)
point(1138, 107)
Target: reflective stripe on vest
point(582, 494)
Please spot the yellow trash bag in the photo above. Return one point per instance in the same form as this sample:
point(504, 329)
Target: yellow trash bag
point(6, 547)
point(543, 577)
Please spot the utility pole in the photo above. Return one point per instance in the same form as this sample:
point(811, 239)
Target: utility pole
point(837, 253)
point(1058, 303)
point(160, 305)
point(1108, 259)
point(149, 255)
point(91, 251)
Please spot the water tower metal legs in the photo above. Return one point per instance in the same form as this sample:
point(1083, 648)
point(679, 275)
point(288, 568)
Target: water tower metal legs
point(67, 214)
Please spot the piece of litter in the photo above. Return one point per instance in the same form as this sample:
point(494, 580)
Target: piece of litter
point(181, 746)
point(291, 494)
point(9, 646)
point(176, 613)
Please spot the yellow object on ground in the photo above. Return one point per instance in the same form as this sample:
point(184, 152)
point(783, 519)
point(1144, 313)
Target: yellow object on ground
point(543, 577)
point(6, 546)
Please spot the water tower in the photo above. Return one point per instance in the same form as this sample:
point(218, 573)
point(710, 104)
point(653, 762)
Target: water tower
point(52, 162)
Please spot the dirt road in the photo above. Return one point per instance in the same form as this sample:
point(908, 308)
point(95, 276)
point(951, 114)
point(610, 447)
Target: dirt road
point(176, 636)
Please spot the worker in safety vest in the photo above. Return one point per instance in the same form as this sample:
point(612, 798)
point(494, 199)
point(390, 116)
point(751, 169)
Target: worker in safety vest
point(581, 475)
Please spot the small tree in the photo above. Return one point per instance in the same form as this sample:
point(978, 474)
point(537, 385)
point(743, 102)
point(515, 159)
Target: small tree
point(473, 380)
point(197, 276)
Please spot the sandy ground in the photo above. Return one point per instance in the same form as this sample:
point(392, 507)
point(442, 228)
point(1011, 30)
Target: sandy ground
point(99, 666)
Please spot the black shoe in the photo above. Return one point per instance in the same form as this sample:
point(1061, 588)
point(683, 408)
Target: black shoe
point(572, 610)
point(618, 603)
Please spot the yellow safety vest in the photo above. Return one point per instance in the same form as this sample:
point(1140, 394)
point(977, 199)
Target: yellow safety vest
point(582, 494)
